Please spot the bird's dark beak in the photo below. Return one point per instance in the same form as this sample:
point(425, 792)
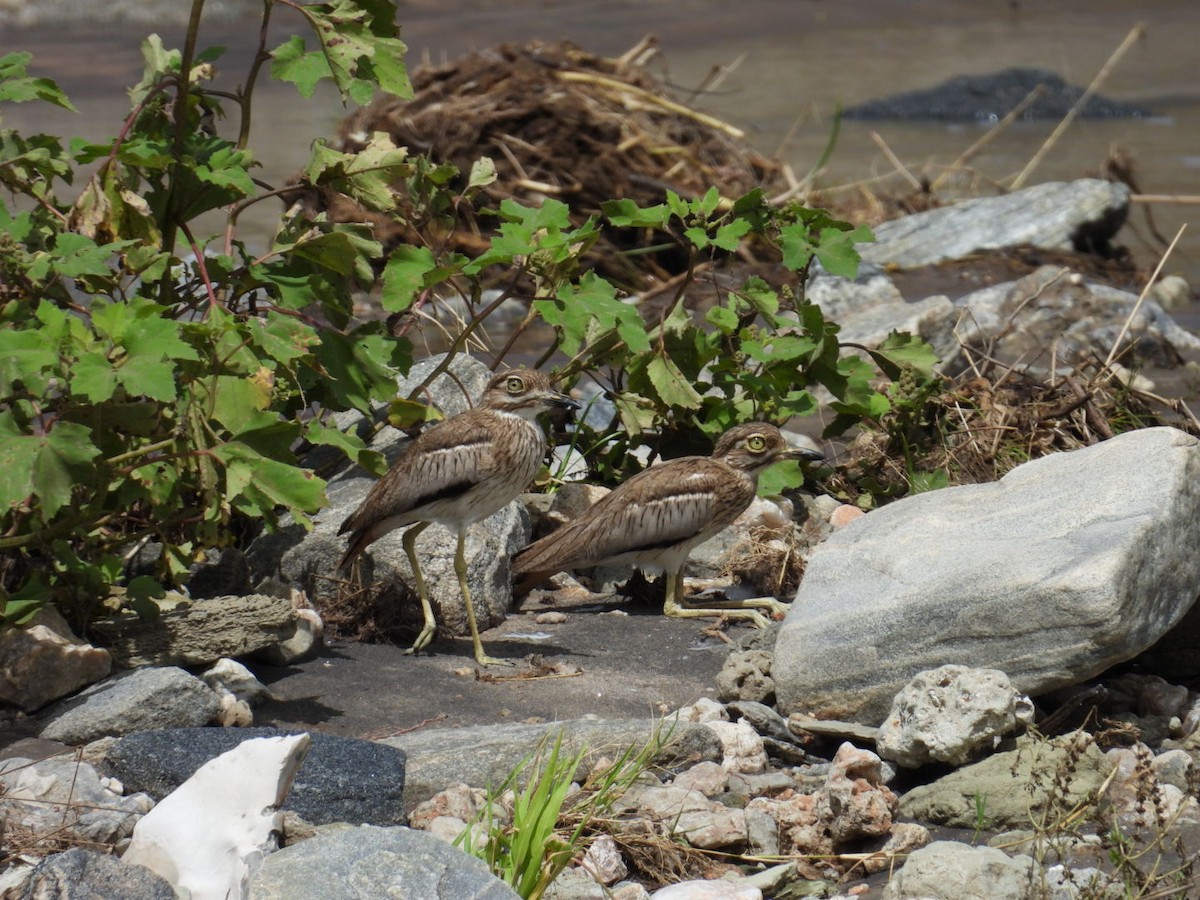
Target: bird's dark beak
point(803, 454)
point(562, 401)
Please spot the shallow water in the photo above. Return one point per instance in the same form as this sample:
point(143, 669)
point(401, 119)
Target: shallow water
point(794, 62)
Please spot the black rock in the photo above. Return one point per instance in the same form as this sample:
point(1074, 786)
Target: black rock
point(987, 98)
point(341, 780)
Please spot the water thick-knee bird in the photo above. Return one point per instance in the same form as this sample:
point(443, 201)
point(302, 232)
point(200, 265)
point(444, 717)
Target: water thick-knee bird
point(456, 473)
point(654, 519)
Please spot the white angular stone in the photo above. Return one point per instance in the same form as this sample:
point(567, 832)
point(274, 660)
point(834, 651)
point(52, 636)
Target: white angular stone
point(235, 678)
point(742, 745)
point(210, 835)
point(715, 889)
point(946, 870)
point(948, 715)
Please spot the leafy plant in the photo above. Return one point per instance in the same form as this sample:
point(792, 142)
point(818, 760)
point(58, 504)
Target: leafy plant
point(152, 393)
point(156, 381)
point(546, 831)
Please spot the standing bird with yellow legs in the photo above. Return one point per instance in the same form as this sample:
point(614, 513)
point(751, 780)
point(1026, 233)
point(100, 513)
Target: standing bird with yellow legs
point(456, 473)
point(655, 519)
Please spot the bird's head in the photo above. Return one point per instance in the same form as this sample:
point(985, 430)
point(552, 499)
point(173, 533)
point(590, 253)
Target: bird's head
point(524, 392)
point(755, 445)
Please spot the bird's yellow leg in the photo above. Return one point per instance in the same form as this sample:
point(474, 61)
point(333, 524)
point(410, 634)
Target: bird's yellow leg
point(733, 609)
point(460, 569)
point(429, 629)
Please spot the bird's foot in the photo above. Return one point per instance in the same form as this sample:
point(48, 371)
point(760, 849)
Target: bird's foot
point(729, 609)
point(484, 660)
point(772, 607)
point(423, 640)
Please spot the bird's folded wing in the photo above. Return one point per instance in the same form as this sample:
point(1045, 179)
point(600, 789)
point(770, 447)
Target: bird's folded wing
point(443, 462)
point(656, 508)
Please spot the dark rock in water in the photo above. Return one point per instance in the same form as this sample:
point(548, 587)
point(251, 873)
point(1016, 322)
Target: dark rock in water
point(341, 780)
point(987, 98)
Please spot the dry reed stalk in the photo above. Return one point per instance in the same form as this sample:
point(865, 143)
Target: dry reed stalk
point(1135, 34)
point(1112, 353)
point(990, 134)
point(630, 92)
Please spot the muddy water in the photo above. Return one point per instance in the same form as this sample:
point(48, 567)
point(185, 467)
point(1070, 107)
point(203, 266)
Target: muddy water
point(793, 62)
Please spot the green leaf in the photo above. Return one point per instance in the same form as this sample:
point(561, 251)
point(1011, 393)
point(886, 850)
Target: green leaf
point(404, 275)
point(258, 485)
point(723, 319)
point(350, 444)
point(76, 255)
point(589, 308)
point(367, 176)
point(358, 368)
point(292, 62)
point(729, 237)
point(923, 482)
point(671, 385)
point(797, 246)
point(698, 237)
point(626, 213)
point(837, 252)
point(239, 403)
point(483, 173)
point(346, 250)
point(17, 87)
point(48, 466)
point(783, 476)
point(93, 377)
point(283, 338)
point(27, 358)
point(901, 350)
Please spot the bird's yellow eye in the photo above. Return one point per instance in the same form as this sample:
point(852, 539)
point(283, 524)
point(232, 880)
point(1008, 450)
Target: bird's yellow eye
point(514, 384)
point(756, 443)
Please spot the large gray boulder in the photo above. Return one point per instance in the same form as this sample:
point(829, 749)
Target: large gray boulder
point(1056, 215)
point(368, 861)
point(1066, 566)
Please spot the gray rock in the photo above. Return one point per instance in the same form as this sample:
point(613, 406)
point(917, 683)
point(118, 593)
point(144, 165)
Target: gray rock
point(949, 715)
point(1053, 307)
point(138, 700)
point(197, 633)
point(369, 861)
point(484, 755)
point(870, 307)
point(946, 870)
point(341, 779)
point(79, 874)
point(1075, 215)
point(1068, 565)
point(746, 675)
point(43, 660)
point(65, 797)
point(1013, 785)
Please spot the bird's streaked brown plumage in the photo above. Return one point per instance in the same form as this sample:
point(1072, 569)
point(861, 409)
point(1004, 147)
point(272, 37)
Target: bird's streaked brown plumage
point(658, 516)
point(457, 473)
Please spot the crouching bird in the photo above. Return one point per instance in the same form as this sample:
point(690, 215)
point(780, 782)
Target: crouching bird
point(456, 473)
point(654, 519)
